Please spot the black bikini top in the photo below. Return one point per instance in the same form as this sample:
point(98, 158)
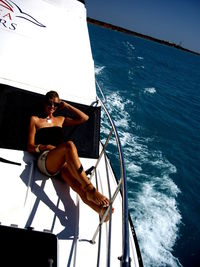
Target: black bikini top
point(49, 136)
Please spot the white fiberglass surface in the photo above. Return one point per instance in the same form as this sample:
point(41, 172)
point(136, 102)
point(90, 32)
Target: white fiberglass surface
point(47, 47)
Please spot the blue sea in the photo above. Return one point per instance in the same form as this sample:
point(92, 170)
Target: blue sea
point(153, 94)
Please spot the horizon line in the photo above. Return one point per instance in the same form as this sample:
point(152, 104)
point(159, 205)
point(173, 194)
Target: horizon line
point(121, 29)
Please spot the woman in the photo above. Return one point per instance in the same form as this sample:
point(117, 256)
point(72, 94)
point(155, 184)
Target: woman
point(56, 156)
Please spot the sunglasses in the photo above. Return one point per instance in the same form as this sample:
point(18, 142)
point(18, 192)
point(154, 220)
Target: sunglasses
point(51, 103)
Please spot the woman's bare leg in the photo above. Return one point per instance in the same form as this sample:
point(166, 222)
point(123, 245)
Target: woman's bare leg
point(67, 154)
point(75, 185)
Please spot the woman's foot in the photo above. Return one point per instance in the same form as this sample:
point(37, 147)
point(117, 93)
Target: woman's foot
point(93, 195)
point(103, 210)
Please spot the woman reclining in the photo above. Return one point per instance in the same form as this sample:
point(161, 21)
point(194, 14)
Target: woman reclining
point(58, 157)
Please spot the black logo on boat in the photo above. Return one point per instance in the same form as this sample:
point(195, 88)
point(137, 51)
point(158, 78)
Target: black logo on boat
point(9, 11)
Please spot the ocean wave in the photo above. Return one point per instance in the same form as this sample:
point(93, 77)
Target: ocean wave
point(150, 90)
point(156, 222)
point(121, 118)
point(98, 69)
point(129, 50)
point(129, 46)
point(133, 168)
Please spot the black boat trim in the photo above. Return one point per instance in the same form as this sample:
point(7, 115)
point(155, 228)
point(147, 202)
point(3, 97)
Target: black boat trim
point(9, 161)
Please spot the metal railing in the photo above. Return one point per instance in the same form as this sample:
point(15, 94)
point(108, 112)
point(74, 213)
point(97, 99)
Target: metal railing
point(122, 184)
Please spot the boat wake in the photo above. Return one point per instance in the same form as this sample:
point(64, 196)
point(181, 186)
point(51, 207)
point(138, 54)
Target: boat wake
point(151, 191)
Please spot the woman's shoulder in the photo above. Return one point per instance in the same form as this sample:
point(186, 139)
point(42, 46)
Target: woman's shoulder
point(34, 119)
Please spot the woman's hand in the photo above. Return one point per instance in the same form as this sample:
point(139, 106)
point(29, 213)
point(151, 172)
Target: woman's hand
point(63, 105)
point(46, 147)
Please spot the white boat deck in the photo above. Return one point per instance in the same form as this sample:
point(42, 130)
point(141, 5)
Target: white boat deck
point(48, 204)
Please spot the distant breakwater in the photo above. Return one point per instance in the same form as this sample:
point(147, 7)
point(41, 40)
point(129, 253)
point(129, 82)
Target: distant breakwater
point(120, 29)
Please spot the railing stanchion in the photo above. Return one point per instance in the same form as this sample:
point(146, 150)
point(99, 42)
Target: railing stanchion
point(102, 152)
point(106, 212)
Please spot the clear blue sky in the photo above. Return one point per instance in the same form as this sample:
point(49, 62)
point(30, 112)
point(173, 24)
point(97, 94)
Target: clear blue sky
point(176, 21)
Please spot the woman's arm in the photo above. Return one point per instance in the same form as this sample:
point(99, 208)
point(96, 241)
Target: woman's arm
point(31, 135)
point(79, 116)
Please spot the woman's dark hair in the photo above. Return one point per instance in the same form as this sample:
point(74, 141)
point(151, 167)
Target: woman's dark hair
point(51, 95)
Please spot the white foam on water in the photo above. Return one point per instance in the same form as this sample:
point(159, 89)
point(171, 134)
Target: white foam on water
point(155, 213)
point(122, 122)
point(115, 102)
point(131, 74)
point(140, 58)
point(150, 90)
point(133, 168)
point(129, 50)
point(156, 222)
point(98, 69)
point(128, 45)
